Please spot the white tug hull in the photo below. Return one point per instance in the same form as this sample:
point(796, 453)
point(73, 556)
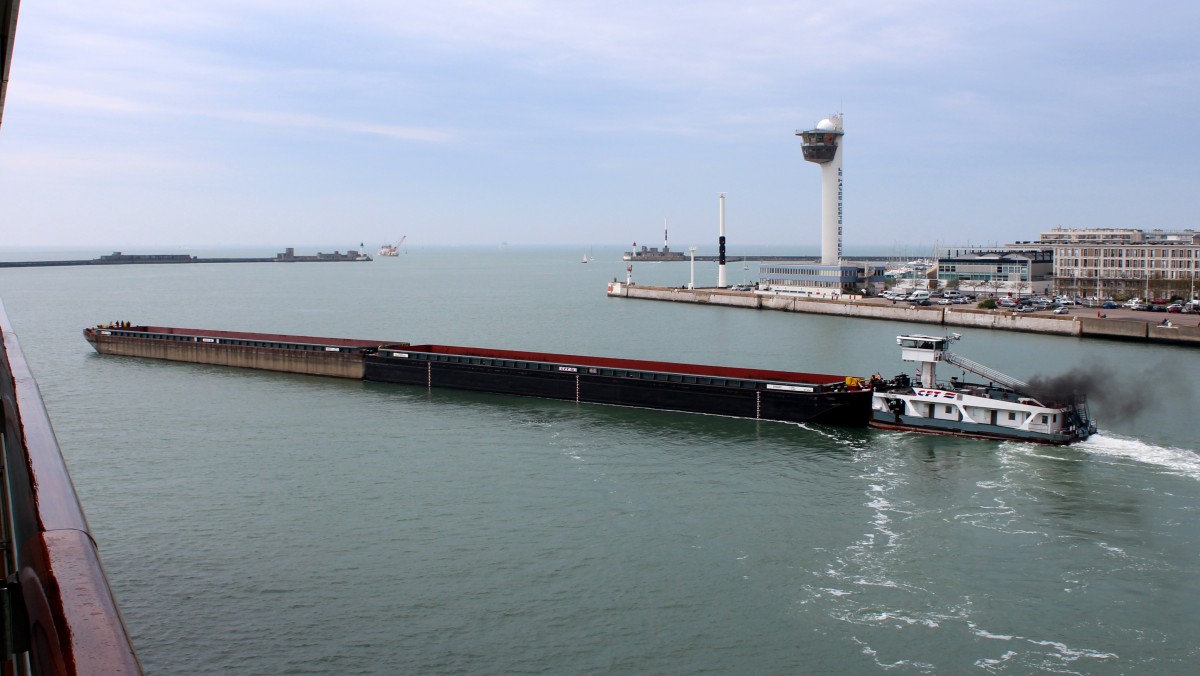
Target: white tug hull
point(999, 409)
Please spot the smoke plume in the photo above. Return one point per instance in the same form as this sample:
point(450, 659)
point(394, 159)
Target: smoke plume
point(1119, 398)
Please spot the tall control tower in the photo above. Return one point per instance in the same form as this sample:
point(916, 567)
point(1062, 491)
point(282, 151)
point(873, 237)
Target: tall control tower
point(823, 145)
point(832, 278)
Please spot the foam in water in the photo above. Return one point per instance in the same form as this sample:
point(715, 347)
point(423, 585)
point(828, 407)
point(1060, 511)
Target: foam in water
point(1181, 461)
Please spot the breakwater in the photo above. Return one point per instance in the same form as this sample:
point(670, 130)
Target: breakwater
point(118, 258)
point(953, 315)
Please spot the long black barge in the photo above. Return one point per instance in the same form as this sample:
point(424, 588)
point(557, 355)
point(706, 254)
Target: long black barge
point(718, 390)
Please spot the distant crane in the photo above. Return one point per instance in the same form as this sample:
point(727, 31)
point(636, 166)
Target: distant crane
point(392, 249)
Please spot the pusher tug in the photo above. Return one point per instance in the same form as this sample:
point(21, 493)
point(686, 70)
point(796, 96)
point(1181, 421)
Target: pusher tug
point(1004, 408)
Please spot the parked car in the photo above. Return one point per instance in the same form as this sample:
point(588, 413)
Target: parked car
point(1109, 305)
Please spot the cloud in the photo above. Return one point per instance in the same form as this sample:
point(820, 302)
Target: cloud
point(67, 162)
point(302, 121)
point(63, 98)
point(681, 42)
point(284, 103)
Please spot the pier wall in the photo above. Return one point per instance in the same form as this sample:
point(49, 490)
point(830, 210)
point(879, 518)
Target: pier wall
point(1113, 329)
point(1068, 325)
point(1012, 321)
point(700, 296)
point(335, 364)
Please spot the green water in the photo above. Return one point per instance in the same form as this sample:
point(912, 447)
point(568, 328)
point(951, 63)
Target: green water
point(264, 523)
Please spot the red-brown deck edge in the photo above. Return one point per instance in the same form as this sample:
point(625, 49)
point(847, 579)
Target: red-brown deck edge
point(632, 364)
point(516, 355)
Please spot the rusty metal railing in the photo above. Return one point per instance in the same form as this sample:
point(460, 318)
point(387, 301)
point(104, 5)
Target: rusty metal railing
point(58, 613)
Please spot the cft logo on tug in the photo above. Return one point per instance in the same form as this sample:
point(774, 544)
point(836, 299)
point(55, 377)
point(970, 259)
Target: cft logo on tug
point(937, 394)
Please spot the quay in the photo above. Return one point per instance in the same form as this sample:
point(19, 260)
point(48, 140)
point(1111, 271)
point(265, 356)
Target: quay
point(117, 258)
point(1116, 324)
point(773, 258)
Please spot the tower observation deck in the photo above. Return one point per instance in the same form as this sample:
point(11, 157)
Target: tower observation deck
point(823, 146)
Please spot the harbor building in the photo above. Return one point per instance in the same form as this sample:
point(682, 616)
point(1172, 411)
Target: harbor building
point(1016, 270)
point(1107, 262)
point(822, 281)
point(823, 145)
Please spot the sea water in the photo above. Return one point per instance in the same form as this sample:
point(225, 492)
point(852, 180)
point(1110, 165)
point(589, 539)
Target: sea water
point(262, 523)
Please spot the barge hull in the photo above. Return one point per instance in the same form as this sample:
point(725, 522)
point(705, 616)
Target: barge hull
point(334, 357)
point(734, 397)
point(718, 390)
point(887, 421)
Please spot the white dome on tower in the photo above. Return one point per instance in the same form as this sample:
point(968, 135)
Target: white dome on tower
point(827, 125)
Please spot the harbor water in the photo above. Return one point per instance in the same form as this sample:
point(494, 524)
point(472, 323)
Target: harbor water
point(263, 523)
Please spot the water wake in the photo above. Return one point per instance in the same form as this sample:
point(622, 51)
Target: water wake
point(1181, 461)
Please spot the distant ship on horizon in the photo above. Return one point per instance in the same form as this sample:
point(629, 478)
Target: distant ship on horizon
point(652, 253)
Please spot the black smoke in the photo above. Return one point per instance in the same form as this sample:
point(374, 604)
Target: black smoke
point(1118, 398)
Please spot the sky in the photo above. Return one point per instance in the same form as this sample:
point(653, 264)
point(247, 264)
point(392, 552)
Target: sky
point(272, 123)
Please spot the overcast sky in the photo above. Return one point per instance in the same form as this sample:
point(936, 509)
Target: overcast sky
point(144, 123)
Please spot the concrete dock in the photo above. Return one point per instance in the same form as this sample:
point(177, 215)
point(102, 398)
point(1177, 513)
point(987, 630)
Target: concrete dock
point(1081, 323)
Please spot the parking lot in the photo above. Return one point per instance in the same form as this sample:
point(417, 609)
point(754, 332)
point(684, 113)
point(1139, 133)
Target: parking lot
point(1118, 313)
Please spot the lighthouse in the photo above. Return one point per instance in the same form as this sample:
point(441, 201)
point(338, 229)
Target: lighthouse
point(823, 146)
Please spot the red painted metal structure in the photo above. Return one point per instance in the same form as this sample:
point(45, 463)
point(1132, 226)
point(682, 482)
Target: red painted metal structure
point(59, 614)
